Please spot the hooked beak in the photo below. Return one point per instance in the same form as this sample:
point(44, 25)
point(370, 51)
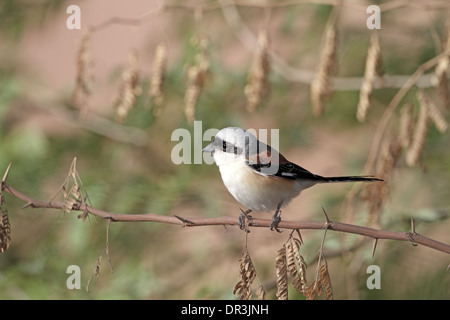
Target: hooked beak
point(209, 148)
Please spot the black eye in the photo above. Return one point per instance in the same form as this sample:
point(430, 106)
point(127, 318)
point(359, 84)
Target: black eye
point(224, 146)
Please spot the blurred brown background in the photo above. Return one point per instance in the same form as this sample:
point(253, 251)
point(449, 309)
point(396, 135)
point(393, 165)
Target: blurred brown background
point(126, 167)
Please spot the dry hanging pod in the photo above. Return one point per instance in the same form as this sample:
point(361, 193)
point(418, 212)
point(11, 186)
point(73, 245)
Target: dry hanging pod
point(197, 75)
point(434, 112)
point(257, 80)
point(84, 78)
point(372, 65)
point(5, 226)
point(157, 78)
point(129, 88)
point(420, 133)
point(320, 87)
point(406, 125)
point(443, 69)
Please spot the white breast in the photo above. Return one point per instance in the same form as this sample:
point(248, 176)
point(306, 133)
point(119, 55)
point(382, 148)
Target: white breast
point(255, 191)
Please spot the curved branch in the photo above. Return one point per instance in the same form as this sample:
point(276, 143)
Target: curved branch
point(412, 236)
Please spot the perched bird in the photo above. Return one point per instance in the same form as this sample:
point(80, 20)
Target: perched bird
point(258, 176)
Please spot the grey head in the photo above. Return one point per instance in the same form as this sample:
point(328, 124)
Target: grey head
point(235, 140)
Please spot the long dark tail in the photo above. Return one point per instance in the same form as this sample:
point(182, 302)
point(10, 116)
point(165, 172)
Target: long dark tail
point(350, 179)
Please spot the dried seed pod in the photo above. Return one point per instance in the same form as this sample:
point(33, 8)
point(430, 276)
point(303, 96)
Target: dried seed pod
point(260, 293)
point(391, 151)
point(157, 78)
point(257, 80)
point(5, 226)
point(320, 87)
point(420, 133)
point(129, 88)
point(377, 193)
point(192, 93)
point(372, 63)
point(443, 69)
point(406, 125)
point(197, 75)
point(434, 112)
point(84, 78)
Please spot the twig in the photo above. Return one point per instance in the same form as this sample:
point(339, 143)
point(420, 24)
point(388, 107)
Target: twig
point(374, 247)
point(246, 36)
point(107, 246)
point(387, 115)
point(233, 221)
point(290, 73)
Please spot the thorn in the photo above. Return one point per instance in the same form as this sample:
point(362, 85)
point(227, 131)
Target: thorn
point(26, 205)
point(412, 233)
point(326, 217)
point(6, 173)
point(413, 228)
point(185, 221)
point(374, 247)
point(299, 235)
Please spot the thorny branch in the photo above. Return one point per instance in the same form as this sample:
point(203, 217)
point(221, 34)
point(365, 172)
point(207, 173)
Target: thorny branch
point(412, 236)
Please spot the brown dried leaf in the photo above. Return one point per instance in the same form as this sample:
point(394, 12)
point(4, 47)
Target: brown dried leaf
point(310, 291)
point(324, 283)
point(300, 261)
point(248, 274)
point(296, 265)
point(282, 274)
point(96, 272)
point(321, 286)
point(5, 226)
point(77, 194)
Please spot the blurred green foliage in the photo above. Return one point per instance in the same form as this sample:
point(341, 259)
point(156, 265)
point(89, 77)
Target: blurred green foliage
point(159, 261)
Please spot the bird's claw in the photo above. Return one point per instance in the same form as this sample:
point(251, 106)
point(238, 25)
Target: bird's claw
point(242, 220)
point(275, 221)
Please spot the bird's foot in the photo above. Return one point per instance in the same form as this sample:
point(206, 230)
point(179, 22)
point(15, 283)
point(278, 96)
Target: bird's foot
point(244, 220)
point(275, 221)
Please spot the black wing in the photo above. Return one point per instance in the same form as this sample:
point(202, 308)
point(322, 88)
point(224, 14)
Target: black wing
point(292, 171)
point(287, 170)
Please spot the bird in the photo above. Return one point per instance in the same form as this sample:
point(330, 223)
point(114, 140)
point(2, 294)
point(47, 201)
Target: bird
point(259, 177)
